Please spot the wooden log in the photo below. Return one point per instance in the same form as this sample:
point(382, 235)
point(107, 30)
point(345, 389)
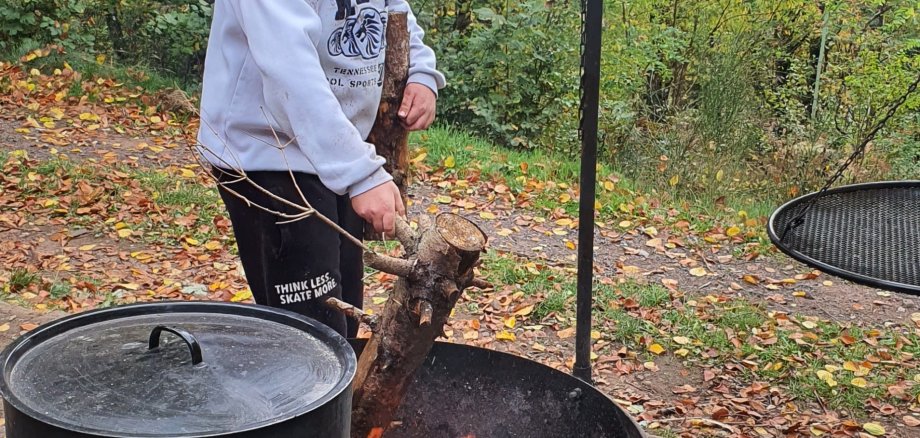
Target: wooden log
point(443, 257)
point(389, 135)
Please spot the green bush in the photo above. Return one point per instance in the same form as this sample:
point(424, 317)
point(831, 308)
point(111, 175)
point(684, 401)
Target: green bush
point(167, 36)
point(512, 68)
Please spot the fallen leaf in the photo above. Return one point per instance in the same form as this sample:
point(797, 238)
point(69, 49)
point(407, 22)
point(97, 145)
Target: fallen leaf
point(524, 311)
point(681, 340)
point(505, 336)
point(874, 429)
point(566, 333)
point(242, 295)
point(656, 348)
point(698, 272)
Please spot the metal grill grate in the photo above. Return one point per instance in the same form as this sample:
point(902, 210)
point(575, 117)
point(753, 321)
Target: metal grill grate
point(867, 233)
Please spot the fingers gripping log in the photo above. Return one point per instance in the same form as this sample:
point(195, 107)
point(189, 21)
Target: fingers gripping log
point(441, 262)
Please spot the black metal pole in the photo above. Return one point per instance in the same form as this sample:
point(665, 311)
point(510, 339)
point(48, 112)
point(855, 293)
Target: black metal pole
point(591, 76)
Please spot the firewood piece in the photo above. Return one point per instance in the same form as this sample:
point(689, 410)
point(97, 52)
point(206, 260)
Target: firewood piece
point(388, 134)
point(446, 254)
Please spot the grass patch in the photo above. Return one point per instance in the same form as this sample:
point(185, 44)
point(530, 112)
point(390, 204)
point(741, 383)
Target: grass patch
point(548, 181)
point(555, 301)
point(21, 279)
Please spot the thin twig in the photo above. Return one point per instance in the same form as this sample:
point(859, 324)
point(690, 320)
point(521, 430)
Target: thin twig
point(351, 312)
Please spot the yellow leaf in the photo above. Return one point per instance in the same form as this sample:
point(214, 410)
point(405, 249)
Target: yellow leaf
point(212, 245)
point(698, 272)
point(859, 382)
point(874, 429)
point(809, 324)
point(595, 334)
point(608, 185)
point(87, 247)
point(681, 340)
point(443, 199)
point(625, 224)
point(419, 158)
point(124, 232)
point(524, 311)
point(720, 175)
point(564, 222)
point(487, 215)
point(504, 232)
point(242, 295)
point(510, 322)
point(100, 59)
point(505, 336)
point(569, 244)
point(4, 327)
point(656, 348)
point(850, 366)
point(733, 231)
point(89, 117)
point(674, 180)
point(186, 173)
point(450, 162)
point(565, 197)
point(379, 300)
point(192, 241)
point(631, 270)
point(682, 352)
point(155, 119)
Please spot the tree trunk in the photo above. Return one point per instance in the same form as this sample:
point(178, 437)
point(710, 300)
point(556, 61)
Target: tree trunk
point(438, 267)
point(388, 134)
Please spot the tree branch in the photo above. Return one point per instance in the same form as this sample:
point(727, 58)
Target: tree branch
point(351, 312)
point(390, 265)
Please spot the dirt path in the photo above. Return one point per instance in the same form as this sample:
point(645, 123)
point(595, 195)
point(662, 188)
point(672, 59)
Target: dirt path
point(129, 269)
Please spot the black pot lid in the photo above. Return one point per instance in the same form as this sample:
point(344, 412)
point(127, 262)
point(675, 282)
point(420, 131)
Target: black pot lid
point(96, 372)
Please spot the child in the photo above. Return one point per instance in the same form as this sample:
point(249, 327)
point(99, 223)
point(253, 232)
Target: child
point(311, 70)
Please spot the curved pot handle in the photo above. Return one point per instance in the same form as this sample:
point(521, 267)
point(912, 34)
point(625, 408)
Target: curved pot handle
point(193, 346)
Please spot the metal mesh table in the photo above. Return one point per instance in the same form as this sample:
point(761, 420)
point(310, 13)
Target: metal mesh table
point(866, 233)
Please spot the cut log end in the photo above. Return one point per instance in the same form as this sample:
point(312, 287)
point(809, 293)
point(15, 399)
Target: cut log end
point(461, 233)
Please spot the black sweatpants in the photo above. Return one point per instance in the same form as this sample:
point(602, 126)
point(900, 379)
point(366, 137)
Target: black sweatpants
point(297, 265)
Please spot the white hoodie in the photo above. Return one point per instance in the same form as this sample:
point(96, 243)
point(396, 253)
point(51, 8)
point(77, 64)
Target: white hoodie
point(315, 67)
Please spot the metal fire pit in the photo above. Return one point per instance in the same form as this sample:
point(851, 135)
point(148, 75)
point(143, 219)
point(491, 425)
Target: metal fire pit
point(866, 233)
point(464, 392)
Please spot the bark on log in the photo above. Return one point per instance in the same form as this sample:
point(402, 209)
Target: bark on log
point(443, 257)
point(388, 134)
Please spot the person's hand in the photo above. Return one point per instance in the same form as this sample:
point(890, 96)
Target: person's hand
point(379, 207)
point(418, 107)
